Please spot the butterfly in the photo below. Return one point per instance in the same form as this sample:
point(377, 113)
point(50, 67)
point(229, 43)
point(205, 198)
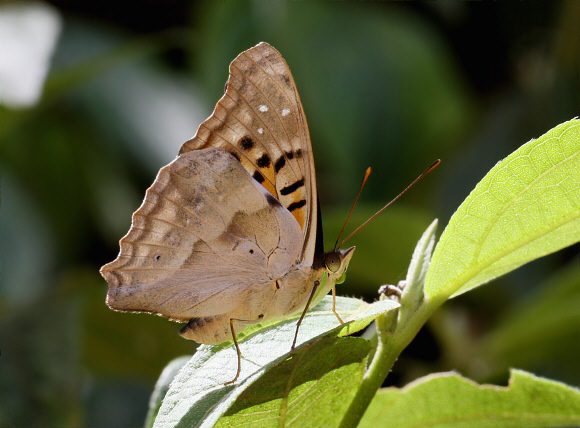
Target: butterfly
point(229, 234)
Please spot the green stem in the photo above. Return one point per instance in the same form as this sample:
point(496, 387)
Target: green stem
point(390, 346)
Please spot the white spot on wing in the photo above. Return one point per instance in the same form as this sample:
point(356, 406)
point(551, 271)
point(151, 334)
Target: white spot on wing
point(285, 111)
point(260, 130)
point(263, 108)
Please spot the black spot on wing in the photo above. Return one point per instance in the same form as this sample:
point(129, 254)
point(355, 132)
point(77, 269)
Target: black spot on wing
point(264, 161)
point(298, 153)
point(258, 177)
point(237, 156)
point(295, 205)
point(289, 154)
point(279, 164)
point(273, 201)
point(293, 187)
point(247, 143)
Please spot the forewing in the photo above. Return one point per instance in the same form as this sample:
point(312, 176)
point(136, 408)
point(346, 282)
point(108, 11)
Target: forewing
point(261, 121)
point(206, 237)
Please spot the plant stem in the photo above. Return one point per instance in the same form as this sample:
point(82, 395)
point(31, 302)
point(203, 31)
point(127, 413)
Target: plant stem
point(389, 347)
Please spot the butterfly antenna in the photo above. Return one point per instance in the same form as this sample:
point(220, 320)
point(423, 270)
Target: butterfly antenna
point(423, 174)
point(364, 180)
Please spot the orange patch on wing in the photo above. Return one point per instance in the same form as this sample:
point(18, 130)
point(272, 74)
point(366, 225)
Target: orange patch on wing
point(299, 216)
point(270, 188)
point(299, 213)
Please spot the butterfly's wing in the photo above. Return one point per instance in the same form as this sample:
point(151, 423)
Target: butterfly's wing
point(234, 214)
point(261, 121)
point(205, 240)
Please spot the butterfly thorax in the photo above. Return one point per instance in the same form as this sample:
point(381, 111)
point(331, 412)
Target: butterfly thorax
point(288, 295)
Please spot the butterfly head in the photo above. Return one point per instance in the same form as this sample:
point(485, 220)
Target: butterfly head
point(336, 263)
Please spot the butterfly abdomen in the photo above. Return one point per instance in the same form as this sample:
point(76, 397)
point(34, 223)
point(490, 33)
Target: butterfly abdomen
point(209, 330)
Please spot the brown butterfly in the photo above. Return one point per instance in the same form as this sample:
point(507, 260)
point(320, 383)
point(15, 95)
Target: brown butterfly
point(229, 233)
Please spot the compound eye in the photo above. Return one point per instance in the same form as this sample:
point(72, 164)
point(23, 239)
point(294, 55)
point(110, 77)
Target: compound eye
point(332, 262)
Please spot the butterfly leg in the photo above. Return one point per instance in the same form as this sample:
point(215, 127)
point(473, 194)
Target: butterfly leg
point(334, 305)
point(237, 346)
point(316, 284)
point(238, 351)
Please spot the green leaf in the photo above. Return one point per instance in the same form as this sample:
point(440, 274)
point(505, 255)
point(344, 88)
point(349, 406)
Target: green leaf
point(450, 400)
point(197, 396)
point(313, 388)
point(527, 206)
point(162, 386)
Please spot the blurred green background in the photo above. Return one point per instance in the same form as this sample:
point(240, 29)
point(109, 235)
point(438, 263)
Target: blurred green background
point(388, 85)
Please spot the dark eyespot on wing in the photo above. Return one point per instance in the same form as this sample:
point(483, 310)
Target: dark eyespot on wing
point(289, 154)
point(295, 205)
point(258, 177)
point(279, 163)
point(247, 143)
point(293, 187)
point(264, 161)
point(273, 201)
point(237, 156)
point(298, 153)
point(157, 257)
